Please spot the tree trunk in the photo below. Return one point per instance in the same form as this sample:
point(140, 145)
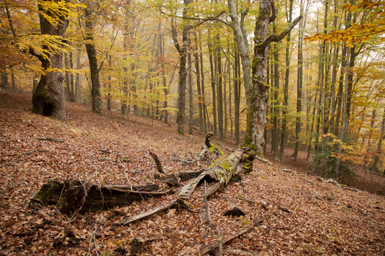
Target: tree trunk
point(198, 79)
point(284, 134)
point(48, 98)
point(204, 109)
point(210, 46)
point(78, 88)
point(190, 94)
point(275, 136)
point(374, 167)
point(93, 61)
point(3, 80)
point(182, 69)
point(219, 79)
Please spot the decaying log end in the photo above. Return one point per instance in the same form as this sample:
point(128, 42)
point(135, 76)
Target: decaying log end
point(74, 196)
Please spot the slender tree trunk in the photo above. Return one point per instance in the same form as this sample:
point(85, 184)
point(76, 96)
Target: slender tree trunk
point(4, 80)
point(219, 79)
point(286, 89)
point(275, 136)
point(14, 87)
point(78, 88)
point(210, 46)
point(190, 94)
point(236, 95)
point(299, 86)
point(374, 167)
point(198, 79)
point(204, 109)
point(93, 62)
point(345, 119)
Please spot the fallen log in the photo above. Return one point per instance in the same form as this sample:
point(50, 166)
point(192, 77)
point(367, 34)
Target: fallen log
point(74, 196)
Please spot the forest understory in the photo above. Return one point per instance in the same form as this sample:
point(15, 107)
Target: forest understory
point(286, 211)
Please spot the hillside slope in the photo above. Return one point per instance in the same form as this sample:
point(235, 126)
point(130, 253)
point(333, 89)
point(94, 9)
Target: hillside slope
point(320, 218)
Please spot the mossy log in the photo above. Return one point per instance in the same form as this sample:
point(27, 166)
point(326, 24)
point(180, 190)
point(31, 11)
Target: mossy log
point(73, 196)
point(222, 170)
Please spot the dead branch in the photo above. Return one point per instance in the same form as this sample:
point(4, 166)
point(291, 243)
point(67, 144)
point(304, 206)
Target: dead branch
point(157, 162)
point(262, 160)
point(211, 247)
point(27, 152)
point(173, 203)
point(49, 139)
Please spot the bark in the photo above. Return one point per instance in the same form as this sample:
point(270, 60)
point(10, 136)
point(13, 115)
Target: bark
point(48, 98)
point(93, 62)
point(237, 95)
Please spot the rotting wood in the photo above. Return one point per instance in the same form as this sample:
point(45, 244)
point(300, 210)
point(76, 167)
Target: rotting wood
point(175, 179)
point(137, 243)
point(49, 139)
point(74, 196)
point(222, 171)
point(213, 246)
point(173, 203)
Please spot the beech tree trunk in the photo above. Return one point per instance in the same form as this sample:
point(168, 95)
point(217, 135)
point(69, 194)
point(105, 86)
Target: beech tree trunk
point(93, 61)
point(48, 98)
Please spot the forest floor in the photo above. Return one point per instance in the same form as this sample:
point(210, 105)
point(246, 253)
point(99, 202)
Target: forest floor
point(320, 218)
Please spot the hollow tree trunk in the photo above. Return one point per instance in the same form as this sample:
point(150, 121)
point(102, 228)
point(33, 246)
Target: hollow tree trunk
point(48, 98)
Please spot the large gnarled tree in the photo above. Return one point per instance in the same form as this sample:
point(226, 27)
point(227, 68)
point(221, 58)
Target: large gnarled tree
point(48, 98)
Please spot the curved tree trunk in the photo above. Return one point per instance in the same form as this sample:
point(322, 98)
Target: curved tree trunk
point(48, 98)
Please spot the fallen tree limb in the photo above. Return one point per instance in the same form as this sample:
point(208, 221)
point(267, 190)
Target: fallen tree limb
point(175, 202)
point(73, 196)
point(49, 139)
point(211, 247)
